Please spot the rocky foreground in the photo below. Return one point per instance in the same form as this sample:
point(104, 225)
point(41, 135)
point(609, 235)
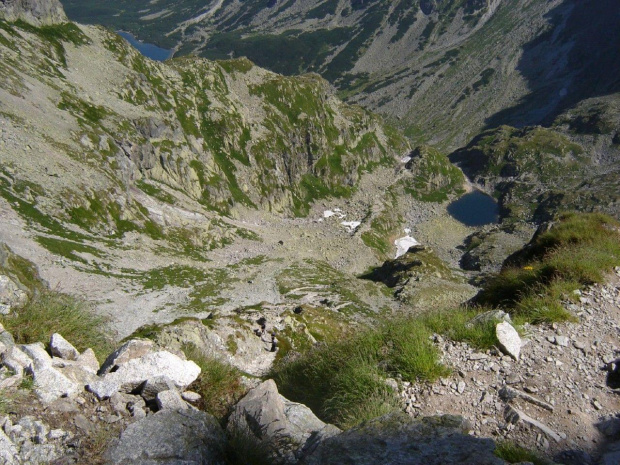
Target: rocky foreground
point(558, 393)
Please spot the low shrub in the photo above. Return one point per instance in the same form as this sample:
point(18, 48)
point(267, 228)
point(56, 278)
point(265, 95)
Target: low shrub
point(512, 453)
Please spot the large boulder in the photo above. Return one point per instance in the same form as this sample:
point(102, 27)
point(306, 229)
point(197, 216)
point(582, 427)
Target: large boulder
point(283, 429)
point(35, 12)
point(135, 348)
point(62, 348)
point(187, 437)
point(132, 375)
point(399, 439)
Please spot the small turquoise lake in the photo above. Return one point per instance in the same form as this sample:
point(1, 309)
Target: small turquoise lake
point(148, 50)
point(475, 209)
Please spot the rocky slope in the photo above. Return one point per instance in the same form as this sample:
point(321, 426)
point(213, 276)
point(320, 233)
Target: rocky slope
point(537, 171)
point(442, 68)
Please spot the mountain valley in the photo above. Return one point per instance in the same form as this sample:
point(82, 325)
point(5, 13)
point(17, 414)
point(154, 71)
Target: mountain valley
point(291, 204)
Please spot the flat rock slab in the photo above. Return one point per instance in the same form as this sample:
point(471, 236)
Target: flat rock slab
point(50, 385)
point(397, 439)
point(187, 437)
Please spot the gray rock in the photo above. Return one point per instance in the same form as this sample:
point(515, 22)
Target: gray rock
point(40, 358)
point(186, 437)
point(132, 349)
point(396, 439)
point(579, 345)
point(6, 338)
point(191, 396)
point(35, 12)
point(562, 341)
point(16, 360)
point(611, 456)
point(78, 373)
point(492, 316)
point(88, 360)
point(60, 347)
point(55, 434)
point(508, 339)
point(132, 374)
point(8, 451)
point(50, 385)
point(283, 429)
point(513, 415)
point(11, 295)
point(118, 402)
point(155, 385)
point(170, 399)
point(104, 388)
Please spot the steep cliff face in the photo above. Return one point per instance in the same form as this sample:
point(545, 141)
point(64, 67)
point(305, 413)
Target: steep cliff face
point(108, 122)
point(35, 12)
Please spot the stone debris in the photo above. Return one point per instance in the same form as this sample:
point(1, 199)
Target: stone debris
point(508, 393)
point(570, 387)
point(512, 415)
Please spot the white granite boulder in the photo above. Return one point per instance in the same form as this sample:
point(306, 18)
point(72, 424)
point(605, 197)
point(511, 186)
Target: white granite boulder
point(60, 347)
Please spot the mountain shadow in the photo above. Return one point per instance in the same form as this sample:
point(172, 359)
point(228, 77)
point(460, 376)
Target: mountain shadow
point(577, 56)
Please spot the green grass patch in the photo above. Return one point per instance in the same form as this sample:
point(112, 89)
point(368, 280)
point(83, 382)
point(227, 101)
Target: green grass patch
point(513, 453)
point(343, 382)
point(219, 383)
point(578, 250)
point(454, 325)
point(68, 249)
point(154, 191)
point(54, 312)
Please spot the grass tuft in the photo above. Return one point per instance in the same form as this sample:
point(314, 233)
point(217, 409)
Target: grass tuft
point(578, 250)
point(219, 383)
point(54, 312)
point(454, 325)
point(343, 382)
point(513, 453)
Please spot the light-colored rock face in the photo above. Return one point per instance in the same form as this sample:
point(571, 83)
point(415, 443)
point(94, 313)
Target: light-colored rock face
point(282, 428)
point(134, 348)
point(60, 347)
point(35, 12)
point(10, 295)
point(159, 370)
point(170, 437)
point(509, 340)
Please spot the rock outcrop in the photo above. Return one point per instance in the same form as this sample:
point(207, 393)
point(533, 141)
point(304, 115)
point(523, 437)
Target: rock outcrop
point(397, 439)
point(283, 429)
point(35, 12)
point(170, 437)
